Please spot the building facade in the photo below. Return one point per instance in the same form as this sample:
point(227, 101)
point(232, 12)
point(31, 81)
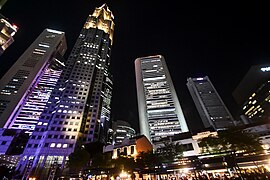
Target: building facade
point(27, 85)
point(209, 104)
point(12, 141)
point(78, 112)
point(160, 113)
point(130, 147)
point(253, 94)
point(122, 130)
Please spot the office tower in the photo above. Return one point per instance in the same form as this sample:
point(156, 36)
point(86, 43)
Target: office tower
point(27, 85)
point(78, 112)
point(7, 31)
point(122, 130)
point(160, 113)
point(253, 93)
point(210, 106)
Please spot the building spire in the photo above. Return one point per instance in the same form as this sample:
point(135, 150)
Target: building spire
point(102, 19)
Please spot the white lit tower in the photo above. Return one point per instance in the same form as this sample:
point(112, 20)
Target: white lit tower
point(78, 111)
point(160, 113)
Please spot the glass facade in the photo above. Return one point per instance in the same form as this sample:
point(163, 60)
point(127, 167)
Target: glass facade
point(210, 106)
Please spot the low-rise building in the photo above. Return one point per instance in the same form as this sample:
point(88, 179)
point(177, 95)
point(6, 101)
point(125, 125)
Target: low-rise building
point(130, 147)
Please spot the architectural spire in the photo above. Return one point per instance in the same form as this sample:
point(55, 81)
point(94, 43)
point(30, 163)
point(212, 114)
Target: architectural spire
point(102, 19)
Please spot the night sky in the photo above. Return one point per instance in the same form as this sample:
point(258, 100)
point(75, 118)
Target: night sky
point(218, 40)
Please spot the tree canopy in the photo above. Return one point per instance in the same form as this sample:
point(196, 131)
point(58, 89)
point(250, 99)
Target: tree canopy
point(232, 140)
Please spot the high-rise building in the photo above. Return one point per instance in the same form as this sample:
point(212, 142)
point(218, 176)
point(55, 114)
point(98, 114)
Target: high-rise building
point(209, 104)
point(253, 94)
point(160, 113)
point(78, 112)
point(7, 31)
point(27, 85)
point(122, 130)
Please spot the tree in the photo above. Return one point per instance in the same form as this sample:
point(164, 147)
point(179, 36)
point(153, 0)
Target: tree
point(170, 151)
point(101, 160)
point(124, 163)
point(231, 140)
point(78, 160)
point(148, 159)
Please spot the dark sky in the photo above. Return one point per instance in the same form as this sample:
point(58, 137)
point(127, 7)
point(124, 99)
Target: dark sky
point(197, 39)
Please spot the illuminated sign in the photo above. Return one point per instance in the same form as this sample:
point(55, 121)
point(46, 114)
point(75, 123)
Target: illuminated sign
point(265, 69)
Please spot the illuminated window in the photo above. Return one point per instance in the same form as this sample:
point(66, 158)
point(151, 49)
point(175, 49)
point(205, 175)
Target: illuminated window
point(65, 145)
point(52, 145)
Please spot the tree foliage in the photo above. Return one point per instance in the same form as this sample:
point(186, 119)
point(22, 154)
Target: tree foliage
point(101, 160)
point(124, 163)
point(231, 140)
point(148, 159)
point(78, 159)
point(170, 151)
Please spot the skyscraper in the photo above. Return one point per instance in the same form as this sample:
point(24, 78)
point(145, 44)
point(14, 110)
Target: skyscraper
point(7, 31)
point(252, 93)
point(78, 111)
point(210, 106)
point(27, 85)
point(160, 113)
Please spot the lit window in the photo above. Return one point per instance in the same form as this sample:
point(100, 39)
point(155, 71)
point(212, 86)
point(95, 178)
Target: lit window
point(52, 145)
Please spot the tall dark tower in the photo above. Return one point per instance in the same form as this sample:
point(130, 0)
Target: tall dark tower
point(209, 104)
point(78, 111)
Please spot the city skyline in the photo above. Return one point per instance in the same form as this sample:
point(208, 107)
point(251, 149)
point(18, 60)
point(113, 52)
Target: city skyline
point(196, 40)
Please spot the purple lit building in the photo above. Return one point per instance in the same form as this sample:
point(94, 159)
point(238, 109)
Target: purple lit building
point(78, 111)
point(27, 85)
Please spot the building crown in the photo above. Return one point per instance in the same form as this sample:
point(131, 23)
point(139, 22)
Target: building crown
point(102, 19)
